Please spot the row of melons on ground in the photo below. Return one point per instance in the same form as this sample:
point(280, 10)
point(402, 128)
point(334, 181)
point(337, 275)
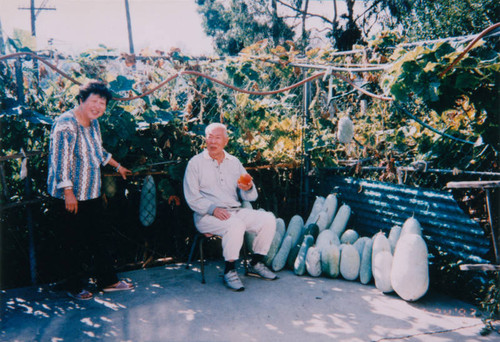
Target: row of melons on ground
point(323, 246)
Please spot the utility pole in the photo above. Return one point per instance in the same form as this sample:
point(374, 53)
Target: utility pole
point(129, 27)
point(34, 11)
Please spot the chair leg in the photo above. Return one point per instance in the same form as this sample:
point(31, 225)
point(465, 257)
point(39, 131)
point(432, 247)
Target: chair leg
point(202, 260)
point(245, 257)
point(190, 258)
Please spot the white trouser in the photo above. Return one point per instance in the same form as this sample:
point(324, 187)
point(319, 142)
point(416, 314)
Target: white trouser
point(232, 230)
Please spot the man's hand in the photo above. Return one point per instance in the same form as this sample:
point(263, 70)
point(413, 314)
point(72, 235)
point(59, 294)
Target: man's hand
point(70, 201)
point(245, 187)
point(221, 213)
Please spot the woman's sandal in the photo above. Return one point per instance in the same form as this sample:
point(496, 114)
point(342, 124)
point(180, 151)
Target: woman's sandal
point(82, 295)
point(119, 286)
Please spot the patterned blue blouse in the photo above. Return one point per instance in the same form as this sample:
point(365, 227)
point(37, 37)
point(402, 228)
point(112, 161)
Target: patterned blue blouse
point(75, 158)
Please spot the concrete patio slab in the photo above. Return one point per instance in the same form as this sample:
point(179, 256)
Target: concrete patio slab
point(169, 303)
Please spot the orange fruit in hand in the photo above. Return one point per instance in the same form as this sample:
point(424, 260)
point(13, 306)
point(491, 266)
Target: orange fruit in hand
point(245, 179)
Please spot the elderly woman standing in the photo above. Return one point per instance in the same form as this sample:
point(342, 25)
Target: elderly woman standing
point(74, 180)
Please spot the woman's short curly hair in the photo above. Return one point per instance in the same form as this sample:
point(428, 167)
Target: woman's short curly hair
point(94, 87)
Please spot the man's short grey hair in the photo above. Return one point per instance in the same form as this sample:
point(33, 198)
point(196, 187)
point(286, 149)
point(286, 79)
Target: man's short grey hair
point(214, 126)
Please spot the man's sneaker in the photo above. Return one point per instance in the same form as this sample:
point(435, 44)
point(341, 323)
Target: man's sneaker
point(232, 281)
point(260, 270)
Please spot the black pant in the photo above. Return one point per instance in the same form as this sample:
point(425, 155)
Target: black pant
point(85, 252)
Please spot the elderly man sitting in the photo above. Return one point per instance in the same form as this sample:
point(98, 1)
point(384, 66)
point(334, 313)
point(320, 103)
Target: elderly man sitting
point(212, 188)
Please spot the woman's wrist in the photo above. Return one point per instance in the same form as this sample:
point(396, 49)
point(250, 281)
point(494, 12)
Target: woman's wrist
point(117, 168)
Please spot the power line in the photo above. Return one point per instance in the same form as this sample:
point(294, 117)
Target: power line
point(34, 13)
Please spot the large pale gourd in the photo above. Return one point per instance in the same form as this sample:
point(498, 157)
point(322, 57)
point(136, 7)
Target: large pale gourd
point(381, 267)
point(147, 204)
point(313, 262)
point(410, 267)
point(316, 209)
point(411, 226)
point(295, 229)
point(345, 131)
point(365, 269)
point(276, 243)
point(349, 237)
point(327, 238)
point(330, 207)
point(322, 221)
point(330, 260)
point(380, 244)
point(360, 244)
point(299, 266)
point(394, 237)
point(349, 262)
point(341, 218)
point(279, 260)
point(280, 226)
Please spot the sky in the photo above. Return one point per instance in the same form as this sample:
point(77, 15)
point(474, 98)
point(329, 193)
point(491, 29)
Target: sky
point(79, 25)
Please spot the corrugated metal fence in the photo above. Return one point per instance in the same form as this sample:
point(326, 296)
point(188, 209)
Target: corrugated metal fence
point(378, 206)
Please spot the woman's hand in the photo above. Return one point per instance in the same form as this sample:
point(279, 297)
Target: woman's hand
point(70, 201)
point(124, 172)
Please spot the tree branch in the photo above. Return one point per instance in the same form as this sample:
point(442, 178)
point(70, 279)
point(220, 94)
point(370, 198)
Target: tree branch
point(298, 10)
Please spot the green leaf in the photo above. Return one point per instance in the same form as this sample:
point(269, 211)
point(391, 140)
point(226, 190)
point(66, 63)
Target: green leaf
point(121, 84)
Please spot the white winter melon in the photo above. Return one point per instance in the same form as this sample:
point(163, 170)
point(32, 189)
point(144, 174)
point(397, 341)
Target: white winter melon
point(341, 218)
point(330, 207)
point(280, 226)
point(365, 269)
point(313, 262)
point(316, 209)
point(360, 244)
point(330, 261)
point(411, 226)
point(326, 238)
point(381, 268)
point(394, 237)
point(276, 243)
point(349, 237)
point(349, 262)
point(322, 221)
point(410, 267)
point(380, 244)
point(279, 260)
point(295, 229)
